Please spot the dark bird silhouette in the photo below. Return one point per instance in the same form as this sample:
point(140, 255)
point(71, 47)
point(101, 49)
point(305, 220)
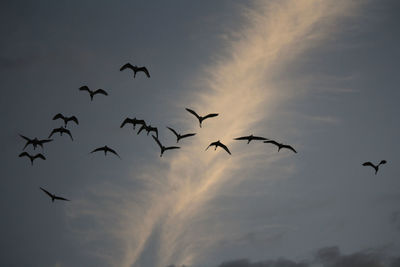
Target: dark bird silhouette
point(53, 196)
point(106, 149)
point(135, 69)
point(376, 167)
point(133, 121)
point(219, 144)
point(280, 146)
point(251, 138)
point(35, 142)
point(148, 129)
point(180, 136)
point(65, 119)
point(163, 148)
point(61, 130)
point(92, 93)
point(201, 118)
point(32, 158)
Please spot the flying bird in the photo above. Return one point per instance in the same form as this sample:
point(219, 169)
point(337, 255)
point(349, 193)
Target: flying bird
point(219, 144)
point(61, 130)
point(148, 129)
point(201, 118)
point(106, 149)
point(53, 196)
point(92, 93)
point(376, 167)
point(180, 136)
point(163, 148)
point(135, 69)
point(65, 119)
point(35, 142)
point(251, 138)
point(32, 158)
point(133, 121)
point(280, 146)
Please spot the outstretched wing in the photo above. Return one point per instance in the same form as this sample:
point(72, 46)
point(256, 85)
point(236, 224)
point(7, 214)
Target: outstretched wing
point(26, 138)
point(98, 149)
point(144, 69)
point(74, 119)
point(24, 154)
point(212, 144)
point(40, 155)
point(289, 147)
point(142, 128)
point(58, 116)
point(100, 91)
point(242, 138)
point(172, 147)
point(259, 138)
point(210, 115)
point(127, 120)
point(61, 198)
point(45, 141)
point(47, 192)
point(126, 66)
point(224, 147)
point(272, 142)
point(154, 129)
point(113, 151)
point(187, 135)
point(158, 141)
point(84, 88)
point(69, 133)
point(54, 131)
point(193, 112)
point(382, 162)
point(141, 122)
point(172, 130)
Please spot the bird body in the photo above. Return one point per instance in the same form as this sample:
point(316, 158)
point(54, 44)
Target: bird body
point(65, 119)
point(92, 93)
point(163, 148)
point(31, 157)
point(61, 130)
point(201, 118)
point(219, 144)
point(53, 196)
point(35, 142)
point(133, 121)
point(180, 136)
point(135, 69)
point(106, 149)
point(280, 145)
point(376, 167)
point(250, 138)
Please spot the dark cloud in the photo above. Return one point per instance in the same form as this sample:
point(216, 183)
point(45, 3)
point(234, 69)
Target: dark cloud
point(268, 263)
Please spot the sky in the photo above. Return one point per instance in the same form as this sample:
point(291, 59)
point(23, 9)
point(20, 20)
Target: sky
point(318, 75)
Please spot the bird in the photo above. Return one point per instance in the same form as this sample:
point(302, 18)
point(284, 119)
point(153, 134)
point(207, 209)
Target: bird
point(32, 158)
point(106, 149)
point(135, 69)
point(148, 129)
point(219, 144)
point(180, 136)
point(202, 118)
point(92, 93)
point(61, 130)
point(250, 138)
point(65, 119)
point(35, 142)
point(376, 167)
point(53, 196)
point(133, 121)
point(163, 148)
point(280, 146)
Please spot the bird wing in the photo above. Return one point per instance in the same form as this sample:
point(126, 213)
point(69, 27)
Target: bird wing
point(210, 115)
point(144, 69)
point(259, 138)
point(193, 112)
point(158, 141)
point(142, 128)
point(74, 119)
point(212, 144)
point(100, 91)
point(47, 192)
point(172, 130)
point(271, 142)
point(24, 154)
point(45, 141)
point(289, 147)
point(26, 138)
point(242, 138)
point(61, 198)
point(127, 120)
point(382, 162)
point(98, 149)
point(54, 131)
point(114, 152)
point(172, 147)
point(187, 135)
point(69, 133)
point(368, 163)
point(224, 147)
point(142, 122)
point(84, 88)
point(40, 155)
point(126, 66)
point(154, 129)
point(58, 116)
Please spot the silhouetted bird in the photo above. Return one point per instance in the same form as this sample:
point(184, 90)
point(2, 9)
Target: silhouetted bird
point(53, 196)
point(133, 121)
point(92, 93)
point(35, 142)
point(148, 129)
point(280, 146)
point(180, 136)
point(251, 138)
point(61, 130)
point(106, 149)
point(163, 148)
point(32, 158)
point(135, 69)
point(219, 144)
point(65, 119)
point(376, 167)
point(201, 118)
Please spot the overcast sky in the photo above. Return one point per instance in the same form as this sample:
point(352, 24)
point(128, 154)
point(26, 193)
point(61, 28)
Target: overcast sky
point(319, 75)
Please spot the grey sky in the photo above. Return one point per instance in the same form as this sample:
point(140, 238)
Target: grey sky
point(332, 92)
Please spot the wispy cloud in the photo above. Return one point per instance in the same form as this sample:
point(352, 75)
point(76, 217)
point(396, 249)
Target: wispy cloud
point(240, 87)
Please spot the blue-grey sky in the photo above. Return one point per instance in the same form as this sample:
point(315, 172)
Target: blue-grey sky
point(319, 75)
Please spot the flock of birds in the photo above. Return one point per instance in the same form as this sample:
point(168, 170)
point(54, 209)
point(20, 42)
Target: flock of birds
point(35, 142)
